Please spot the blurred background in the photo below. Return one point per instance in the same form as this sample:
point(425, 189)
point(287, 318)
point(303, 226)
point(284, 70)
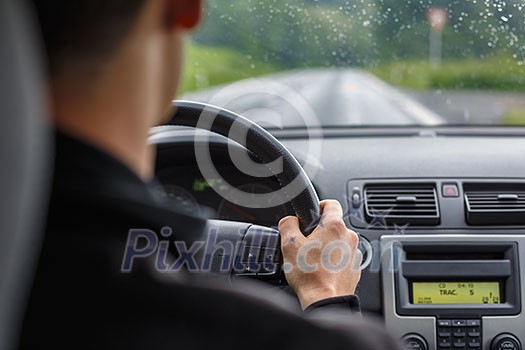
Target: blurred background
point(461, 60)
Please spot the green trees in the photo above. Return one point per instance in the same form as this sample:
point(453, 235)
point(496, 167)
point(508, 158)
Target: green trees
point(304, 33)
point(292, 33)
point(476, 28)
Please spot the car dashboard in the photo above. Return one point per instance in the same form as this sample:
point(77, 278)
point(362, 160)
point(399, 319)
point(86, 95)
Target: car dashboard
point(440, 213)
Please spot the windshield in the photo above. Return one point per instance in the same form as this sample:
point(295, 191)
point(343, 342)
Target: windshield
point(291, 63)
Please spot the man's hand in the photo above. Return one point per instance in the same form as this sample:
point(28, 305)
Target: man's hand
point(325, 264)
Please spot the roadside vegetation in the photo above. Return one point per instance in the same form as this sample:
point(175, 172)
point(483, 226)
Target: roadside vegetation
point(495, 73)
point(514, 117)
point(208, 66)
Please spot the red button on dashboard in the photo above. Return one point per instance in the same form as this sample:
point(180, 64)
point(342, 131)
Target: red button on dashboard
point(450, 190)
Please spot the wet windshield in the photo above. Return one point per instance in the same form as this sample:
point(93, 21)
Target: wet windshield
point(291, 63)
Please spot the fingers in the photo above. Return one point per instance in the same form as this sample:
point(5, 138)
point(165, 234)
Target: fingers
point(291, 235)
point(288, 225)
point(333, 223)
point(331, 209)
point(331, 220)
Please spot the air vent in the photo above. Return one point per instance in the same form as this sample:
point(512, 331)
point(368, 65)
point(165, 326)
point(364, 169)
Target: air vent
point(495, 204)
point(402, 204)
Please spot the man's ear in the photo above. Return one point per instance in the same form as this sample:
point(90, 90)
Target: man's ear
point(183, 14)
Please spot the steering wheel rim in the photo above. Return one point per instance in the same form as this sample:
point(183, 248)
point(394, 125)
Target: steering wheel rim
point(262, 144)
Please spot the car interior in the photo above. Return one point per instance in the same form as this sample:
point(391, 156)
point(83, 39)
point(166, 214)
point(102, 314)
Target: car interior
point(440, 208)
point(24, 158)
point(438, 211)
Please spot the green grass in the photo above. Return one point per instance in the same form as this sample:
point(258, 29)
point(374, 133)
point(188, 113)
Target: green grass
point(205, 67)
point(495, 73)
point(514, 117)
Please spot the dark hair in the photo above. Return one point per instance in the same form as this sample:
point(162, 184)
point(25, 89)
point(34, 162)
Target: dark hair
point(84, 29)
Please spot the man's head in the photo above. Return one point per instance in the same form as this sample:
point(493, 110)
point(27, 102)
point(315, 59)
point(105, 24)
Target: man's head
point(114, 67)
point(92, 30)
point(84, 29)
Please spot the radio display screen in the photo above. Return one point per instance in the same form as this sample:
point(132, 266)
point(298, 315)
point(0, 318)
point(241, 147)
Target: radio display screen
point(440, 293)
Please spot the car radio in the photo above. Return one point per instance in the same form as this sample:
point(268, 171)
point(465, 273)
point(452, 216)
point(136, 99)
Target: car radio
point(443, 292)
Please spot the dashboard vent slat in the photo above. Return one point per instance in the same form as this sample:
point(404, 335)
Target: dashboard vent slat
point(495, 204)
point(402, 204)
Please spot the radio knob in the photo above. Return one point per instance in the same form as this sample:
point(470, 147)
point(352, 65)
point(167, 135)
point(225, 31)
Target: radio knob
point(506, 342)
point(414, 342)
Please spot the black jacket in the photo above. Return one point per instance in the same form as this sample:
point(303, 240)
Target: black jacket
point(81, 299)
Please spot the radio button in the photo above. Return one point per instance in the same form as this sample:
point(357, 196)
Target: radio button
point(459, 323)
point(474, 342)
point(473, 323)
point(459, 343)
point(459, 332)
point(444, 332)
point(474, 332)
point(506, 342)
point(414, 342)
point(445, 342)
point(444, 323)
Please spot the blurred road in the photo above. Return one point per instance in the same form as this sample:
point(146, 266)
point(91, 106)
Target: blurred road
point(334, 97)
point(351, 97)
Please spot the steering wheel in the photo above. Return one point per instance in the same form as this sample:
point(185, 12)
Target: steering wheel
point(267, 149)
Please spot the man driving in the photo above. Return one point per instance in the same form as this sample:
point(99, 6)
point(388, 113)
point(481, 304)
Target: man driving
point(113, 70)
